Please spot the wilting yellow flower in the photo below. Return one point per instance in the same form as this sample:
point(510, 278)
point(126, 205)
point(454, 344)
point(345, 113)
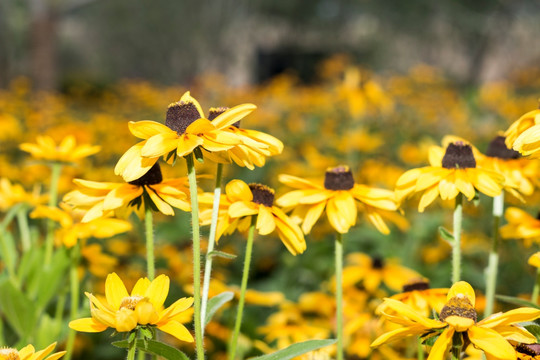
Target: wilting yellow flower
point(13, 194)
point(339, 196)
point(185, 129)
point(372, 271)
point(458, 317)
point(452, 171)
point(144, 306)
point(524, 134)
point(67, 151)
point(29, 353)
point(71, 231)
point(520, 225)
point(253, 148)
point(102, 199)
point(242, 201)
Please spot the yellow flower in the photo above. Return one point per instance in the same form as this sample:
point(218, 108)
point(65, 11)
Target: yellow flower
point(242, 201)
point(528, 351)
point(102, 199)
point(339, 196)
point(144, 306)
point(253, 148)
point(71, 231)
point(67, 151)
point(524, 134)
point(13, 194)
point(372, 271)
point(534, 260)
point(417, 294)
point(452, 171)
point(185, 129)
point(520, 226)
point(458, 317)
point(29, 353)
point(98, 263)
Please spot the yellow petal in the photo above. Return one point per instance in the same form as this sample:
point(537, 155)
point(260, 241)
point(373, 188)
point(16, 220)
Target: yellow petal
point(265, 221)
point(126, 320)
point(140, 287)
point(462, 288)
point(186, 97)
point(146, 313)
point(177, 330)
point(428, 197)
point(233, 115)
point(459, 323)
point(240, 208)
point(121, 196)
point(237, 190)
point(296, 182)
point(440, 348)
point(187, 144)
point(511, 317)
point(397, 334)
point(162, 206)
point(115, 290)
point(464, 185)
point(132, 165)
point(158, 290)
point(87, 325)
point(312, 215)
point(146, 129)
point(160, 144)
point(491, 342)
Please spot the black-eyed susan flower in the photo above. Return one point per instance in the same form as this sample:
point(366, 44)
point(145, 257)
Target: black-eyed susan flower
point(370, 272)
point(253, 148)
point(144, 306)
point(528, 351)
point(103, 199)
point(185, 129)
point(457, 325)
point(418, 295)
point(242, 201)
point(71, 230)
point(12, 194)
point(29, 353)
point(67, 151)
point(521, 225)
point(524, 134)
point(452, 171)
point(340, 196)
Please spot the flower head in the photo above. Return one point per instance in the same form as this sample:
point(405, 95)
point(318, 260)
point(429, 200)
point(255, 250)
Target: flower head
point(13, 194)
point(102, 199)
point(458, 317)
point(67, 151)
point(524, 134)
point(185, 129)
point(453, 170)
point(144, 306)
point(242, 201)
point(340, 196)
point(521, 225)
point(29, 353)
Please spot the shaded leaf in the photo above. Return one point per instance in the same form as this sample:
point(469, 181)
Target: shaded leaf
point(19, 311)
point(296, 350)
point(517, 301)
point(215, 303)
point(221, 254)
point(155, 348)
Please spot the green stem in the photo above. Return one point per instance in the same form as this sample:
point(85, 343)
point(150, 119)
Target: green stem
point(56, 170)
point(24, 229)
point(150, 261)
point(339, 295)
point(457, 344)
point(420, 354)
point(132, 350)
point(211, 243)
point(456, 248)
point(196, 255)
point(74, 304)
point(536, 289)
point(493, 262)
point(243, 287)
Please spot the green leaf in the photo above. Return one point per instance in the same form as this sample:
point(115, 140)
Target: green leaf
point(155, 348)
point(296, 350)
point(52, 278)
point(215, 303)
point(19, 311)
point(8, 251)
point(221, 254)
point(446, 235)
point(516, 301)
point(532, 327)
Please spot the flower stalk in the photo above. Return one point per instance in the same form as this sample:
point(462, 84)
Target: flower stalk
point(211, 243)
point(536, 288)
point(243, 287)
point(74, 298)
point(339, 295)
point(196, 255)
point(132, 350)
point(24, 230)
point(493, 263)
point(456, 246)
point(149, 227)
point(56, 170)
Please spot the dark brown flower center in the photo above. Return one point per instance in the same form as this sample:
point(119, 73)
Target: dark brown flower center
point(497, 148)
point(180, 115)
point(377, 262)
point(458, 155)
point(418, 285)
point(9, 354)
point(262, 194)
point(130, 302)
point(338, 178)
point(529, 349)
point(460, 306)
point(153, 176)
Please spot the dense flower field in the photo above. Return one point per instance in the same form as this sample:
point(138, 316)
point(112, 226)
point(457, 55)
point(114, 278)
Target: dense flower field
point(392, 215)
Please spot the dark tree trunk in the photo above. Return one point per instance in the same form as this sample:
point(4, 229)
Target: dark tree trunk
point(43, 39)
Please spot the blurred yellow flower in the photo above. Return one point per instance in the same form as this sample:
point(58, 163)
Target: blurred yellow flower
point(534, 260)
point(185, 129)
point(67, 151)
point(144, 306)
point(13, 194)
point(452, 171)
point(524, 134)
point(417, 294)
point(520, 225)
point(29, 353)
point(103, 199)
point(339, 196)
point(458, 317)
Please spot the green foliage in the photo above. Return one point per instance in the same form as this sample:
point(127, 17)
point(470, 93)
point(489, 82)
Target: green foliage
point(155, 348)
point(215, 303)
point(296, 350)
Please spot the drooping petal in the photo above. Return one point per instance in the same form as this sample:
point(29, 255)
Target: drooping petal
point(265, 221)
point(312, 215)
point(298, 183)
point(177, 330)
point(160, 144)
point(162, 205)
point(491, 342)
point(441, 346)
point(240, 208)
point(87, 325)
point(146, 129)
point(132, 165)
point(428, 197)
point(233, 115)
point(511, 317)
point(397, 334)
point(187, 144)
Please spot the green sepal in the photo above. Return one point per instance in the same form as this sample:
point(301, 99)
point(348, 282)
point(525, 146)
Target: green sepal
point(295, 350)
point(446, 235)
